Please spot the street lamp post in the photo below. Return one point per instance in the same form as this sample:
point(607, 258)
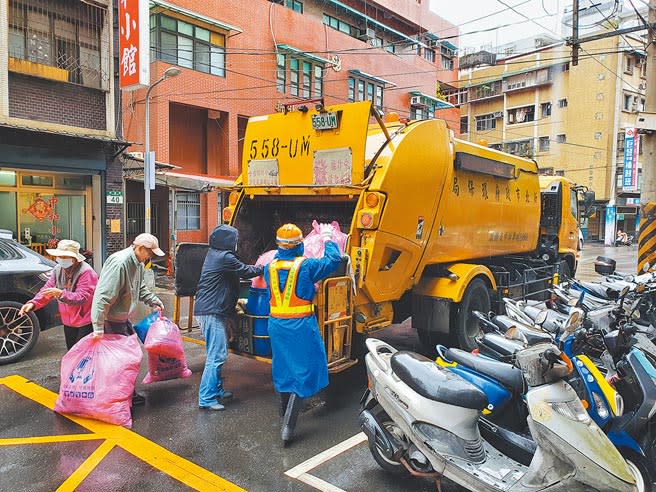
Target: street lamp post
point(168, 73)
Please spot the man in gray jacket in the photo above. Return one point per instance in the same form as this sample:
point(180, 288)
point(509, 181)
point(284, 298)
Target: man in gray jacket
point(120, 287)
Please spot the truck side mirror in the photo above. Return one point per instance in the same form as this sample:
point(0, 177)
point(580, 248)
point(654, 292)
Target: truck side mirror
point(588, 201)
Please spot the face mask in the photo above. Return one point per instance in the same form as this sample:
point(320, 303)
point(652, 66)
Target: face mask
point(65, 262)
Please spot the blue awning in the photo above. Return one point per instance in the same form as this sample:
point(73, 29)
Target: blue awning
point(373, 78)
point(303, 54)
point(371, 20)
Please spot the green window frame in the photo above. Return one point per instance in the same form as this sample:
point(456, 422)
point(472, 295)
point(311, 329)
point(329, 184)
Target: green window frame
point(184, 44)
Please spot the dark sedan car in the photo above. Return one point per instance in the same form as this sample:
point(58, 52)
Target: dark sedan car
point(22, 273)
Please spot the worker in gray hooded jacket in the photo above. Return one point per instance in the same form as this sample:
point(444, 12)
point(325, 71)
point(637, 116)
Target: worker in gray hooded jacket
point(214, 308)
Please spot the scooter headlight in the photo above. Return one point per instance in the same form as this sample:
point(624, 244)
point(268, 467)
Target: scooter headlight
point(572, 410)
point(602, 409)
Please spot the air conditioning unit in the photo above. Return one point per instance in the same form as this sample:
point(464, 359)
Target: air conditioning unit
point(498, 114)
point(136, 155)
point(415, 101)
point(367, 34)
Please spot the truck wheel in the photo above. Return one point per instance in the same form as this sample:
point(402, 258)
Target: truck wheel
point(18, 334)
point(476, 298)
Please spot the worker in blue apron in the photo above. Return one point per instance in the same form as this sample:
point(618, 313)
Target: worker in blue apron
point(299, 366)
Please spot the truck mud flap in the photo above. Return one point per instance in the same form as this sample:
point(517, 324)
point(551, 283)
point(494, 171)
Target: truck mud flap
point(431, 314)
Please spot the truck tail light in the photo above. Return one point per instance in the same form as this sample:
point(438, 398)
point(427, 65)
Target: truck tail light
point(372, 200)
point(371, 209)
point(366, 219)
point(232, 198)
point(227, 214)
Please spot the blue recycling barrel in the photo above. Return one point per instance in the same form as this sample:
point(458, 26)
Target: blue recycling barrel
point(258, 305)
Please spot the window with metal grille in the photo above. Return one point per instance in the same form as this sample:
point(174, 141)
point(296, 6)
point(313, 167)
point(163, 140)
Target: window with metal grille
point(188, 211)
point(62, 34)
point(136, 218)
point(181, 43)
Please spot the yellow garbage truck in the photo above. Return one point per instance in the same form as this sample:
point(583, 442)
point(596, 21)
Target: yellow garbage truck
point(437, 226)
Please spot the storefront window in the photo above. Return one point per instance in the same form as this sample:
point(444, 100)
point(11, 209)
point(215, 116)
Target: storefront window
point(36, 180)
point(7, 178)
point(50, 206)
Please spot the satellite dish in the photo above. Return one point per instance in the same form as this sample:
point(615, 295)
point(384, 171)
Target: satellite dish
point(336, 63)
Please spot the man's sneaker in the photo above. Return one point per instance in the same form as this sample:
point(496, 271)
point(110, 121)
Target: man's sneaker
point(138, 399)
point(216, 407)
point(227, 395)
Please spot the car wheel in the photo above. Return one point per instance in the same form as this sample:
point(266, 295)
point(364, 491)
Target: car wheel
point(18, 334)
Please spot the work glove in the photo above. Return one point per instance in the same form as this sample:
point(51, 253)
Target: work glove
point(326, 231)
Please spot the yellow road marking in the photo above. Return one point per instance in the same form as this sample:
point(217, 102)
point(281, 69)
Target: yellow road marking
point(158, 457)
point(14, 441)
point(194, 340)
point(90, 464)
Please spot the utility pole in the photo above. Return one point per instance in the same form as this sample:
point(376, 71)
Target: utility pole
point(647, 239)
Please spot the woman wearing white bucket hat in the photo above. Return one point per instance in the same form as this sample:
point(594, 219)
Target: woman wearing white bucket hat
point(72, 282)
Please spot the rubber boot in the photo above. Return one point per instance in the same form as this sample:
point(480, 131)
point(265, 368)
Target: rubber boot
point(290, 417)
point(284, 400)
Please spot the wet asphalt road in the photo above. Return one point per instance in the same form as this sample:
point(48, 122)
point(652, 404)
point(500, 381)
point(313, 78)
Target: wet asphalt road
point(241, 444)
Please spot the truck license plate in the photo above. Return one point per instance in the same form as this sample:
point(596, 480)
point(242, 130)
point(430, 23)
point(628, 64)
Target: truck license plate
point(324, 121)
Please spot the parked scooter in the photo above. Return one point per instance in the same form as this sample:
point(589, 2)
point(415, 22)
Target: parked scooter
point(624, 241)
point(423, 418)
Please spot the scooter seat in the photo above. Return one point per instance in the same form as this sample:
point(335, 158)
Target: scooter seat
point(599, 291)
point(499, 345)
point(506, 374)
point(435, 383)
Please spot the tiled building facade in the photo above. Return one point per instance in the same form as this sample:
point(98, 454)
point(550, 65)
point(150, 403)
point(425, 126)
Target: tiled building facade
point(242, 59)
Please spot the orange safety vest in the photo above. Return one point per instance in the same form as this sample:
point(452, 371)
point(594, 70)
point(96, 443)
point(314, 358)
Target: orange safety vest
point(287, 304)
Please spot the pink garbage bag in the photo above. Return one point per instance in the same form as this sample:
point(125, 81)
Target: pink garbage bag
point(98, 377)
point(161, 368)
point(264, 259)
point(164, 339)
point(313, 244)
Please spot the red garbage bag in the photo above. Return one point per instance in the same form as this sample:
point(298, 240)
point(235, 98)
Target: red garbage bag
point(164, 339)
point(161, 368)
point(98, 377)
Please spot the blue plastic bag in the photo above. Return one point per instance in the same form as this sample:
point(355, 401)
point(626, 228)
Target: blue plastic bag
point(141, 328)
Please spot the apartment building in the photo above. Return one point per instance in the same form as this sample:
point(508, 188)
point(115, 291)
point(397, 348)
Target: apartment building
point(57, 125)
point(242, 59)
point(571, 119)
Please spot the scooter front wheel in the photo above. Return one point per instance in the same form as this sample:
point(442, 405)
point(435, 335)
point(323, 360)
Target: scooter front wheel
point(640, 470)
point(390, 466)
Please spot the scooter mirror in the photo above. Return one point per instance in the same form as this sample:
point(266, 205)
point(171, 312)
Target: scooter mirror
point(541, 317)
point(625, 291)
point(640, 288)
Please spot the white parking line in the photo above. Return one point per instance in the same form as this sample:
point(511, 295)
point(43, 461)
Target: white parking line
point(300, 472)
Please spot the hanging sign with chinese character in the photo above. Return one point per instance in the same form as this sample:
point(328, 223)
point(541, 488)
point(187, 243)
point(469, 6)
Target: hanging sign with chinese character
point(631, 148)
point(134, 49)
